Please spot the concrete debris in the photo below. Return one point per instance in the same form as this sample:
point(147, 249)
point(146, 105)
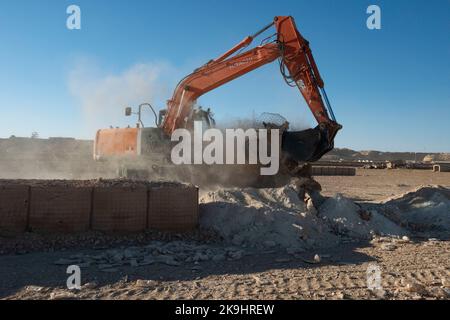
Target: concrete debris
point(172, 253)
point(416, 287)
point(62, 296)
point(89, 285)
point(34, 288)
point(388, 246)
point(340, 295)
point(447, 291)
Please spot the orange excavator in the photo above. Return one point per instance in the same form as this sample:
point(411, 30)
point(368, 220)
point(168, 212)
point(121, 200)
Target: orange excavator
point(297, 67)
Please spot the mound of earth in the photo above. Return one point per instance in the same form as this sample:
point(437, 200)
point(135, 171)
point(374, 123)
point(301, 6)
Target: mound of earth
point(347, 218)
point(276, 217)
point(425, 210)
point(264, 218)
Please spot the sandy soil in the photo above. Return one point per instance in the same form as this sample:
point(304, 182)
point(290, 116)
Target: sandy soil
point(370, 185)
point(410, 269)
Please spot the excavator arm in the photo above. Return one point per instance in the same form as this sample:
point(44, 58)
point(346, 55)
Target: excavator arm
point(298, 68)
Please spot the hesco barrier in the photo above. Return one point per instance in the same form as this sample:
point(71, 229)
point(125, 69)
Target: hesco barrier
point(14, 200)
point(120, 209)
point(59, 208)
point(333, 171)
point(104, 205)
point(172, 208)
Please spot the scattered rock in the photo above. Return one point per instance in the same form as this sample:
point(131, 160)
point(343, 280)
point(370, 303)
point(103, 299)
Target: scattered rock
point(340, 295)
point(109, 270)
point(445, 282)
point(294, 250)
point(145, 283)
point(364, 214)
point(236, 255)
point(282, 260)
point(313, 261)
point(416, 287)
point(90, 285)
point(439, 293)
point(62, 296)
point(66, 262)
point(447, 291)
point(134, 263)
point(34, 288)
point(388, 246)
point(269, 243)
point(218, 257)
point(169, 260)
point(379, 293)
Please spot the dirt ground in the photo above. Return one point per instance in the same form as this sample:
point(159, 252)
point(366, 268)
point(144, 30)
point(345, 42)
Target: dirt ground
point(371, 185)
point(415, 268)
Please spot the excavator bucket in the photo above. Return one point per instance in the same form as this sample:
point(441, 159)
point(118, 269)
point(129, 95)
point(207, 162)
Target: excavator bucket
point(308, 145)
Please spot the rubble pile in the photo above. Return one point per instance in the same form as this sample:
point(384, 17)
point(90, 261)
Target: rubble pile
point(346, 217)
point(264, 218)
point(276, 217)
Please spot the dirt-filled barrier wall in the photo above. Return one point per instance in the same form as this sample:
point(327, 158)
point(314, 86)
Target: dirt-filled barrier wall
point(333, 171)
point(121, 209)
point(103, 205)
point(173, 208)
point(14, 205)
point(60, 208)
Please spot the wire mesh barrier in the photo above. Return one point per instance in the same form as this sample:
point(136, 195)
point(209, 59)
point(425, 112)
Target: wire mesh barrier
point(14, 201)
point(77, 206)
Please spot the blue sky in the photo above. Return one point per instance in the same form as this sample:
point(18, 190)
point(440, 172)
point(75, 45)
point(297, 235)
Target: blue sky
point(389, 88)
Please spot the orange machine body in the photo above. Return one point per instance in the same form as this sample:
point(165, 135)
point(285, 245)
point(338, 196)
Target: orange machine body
point(117, 142)
point(130, 143)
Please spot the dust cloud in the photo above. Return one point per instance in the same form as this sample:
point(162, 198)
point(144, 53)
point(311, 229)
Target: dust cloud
point(103, 96)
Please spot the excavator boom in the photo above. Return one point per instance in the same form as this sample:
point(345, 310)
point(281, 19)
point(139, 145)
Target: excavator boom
point(298, 68)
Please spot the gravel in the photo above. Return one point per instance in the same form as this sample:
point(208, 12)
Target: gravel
point(125, 183)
